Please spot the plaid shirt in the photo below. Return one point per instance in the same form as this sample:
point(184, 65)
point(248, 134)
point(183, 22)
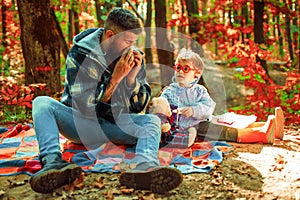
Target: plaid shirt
point(88, 74)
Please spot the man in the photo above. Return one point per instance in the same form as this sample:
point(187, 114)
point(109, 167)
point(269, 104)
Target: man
point(105, 90)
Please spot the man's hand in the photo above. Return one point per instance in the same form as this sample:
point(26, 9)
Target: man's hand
point(128, 65)
point(123, 66)
point(138, 58)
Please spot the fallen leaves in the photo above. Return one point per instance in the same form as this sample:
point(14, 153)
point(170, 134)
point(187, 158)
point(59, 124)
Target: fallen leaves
point(77, 184)
point(16, 183)
point(99, 183)
point(127, 191)
point(280, 162)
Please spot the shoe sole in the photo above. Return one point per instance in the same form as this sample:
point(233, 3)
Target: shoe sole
point(53, 178)
point(159, 180)
point(279, 123)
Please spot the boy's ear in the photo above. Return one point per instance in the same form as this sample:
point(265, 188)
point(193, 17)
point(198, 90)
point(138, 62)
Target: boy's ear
point(198, 74)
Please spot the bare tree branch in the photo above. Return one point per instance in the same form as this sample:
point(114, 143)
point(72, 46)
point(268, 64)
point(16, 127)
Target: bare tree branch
point(135, 10)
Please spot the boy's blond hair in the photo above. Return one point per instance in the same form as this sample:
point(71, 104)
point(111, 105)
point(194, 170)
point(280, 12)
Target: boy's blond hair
point(187, 55)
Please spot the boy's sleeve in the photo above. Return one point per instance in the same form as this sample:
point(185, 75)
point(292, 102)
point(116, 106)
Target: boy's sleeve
point(205, 106)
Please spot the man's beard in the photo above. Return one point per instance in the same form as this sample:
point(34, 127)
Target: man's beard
point(112, 54)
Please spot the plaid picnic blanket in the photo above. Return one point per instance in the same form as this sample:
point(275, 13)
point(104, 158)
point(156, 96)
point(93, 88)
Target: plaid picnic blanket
point(19, 155)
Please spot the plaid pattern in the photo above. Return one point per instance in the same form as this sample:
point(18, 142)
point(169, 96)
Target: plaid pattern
point(19, 155)
point(195, 97)
point(176, 137)
point(88, 74)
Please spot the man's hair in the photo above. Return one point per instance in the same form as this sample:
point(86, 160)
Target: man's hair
point(191, 57)
point(120, 19)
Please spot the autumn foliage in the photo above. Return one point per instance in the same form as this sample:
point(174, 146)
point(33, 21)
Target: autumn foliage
point(236, 46)
point(226, 38)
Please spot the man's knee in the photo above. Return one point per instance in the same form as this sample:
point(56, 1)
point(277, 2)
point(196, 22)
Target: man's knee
point(155, 119)
point(41, 103)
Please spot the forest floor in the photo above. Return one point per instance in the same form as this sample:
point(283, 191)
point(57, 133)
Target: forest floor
point(251, 171)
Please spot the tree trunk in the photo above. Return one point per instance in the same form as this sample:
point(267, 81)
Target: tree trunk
point(76, 21)
point(163, 46)
point(259, 30)
point(258, 22)
point(274, 27)
point(119, 3)
point(61, 37)
point(102, 7)
point(288, 35)
point(295, 37)
point(192, 9)
point(181, 28)
point(245, 21)
point(3, 14)
point(40, 45)
point(280, 39)
point(70, 26)
point(99, 13)
point(134, 8)
point(204, 7)
point(148, 50)
point(76, 10)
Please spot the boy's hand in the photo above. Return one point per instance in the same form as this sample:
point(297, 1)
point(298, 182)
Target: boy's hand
point(186, 111)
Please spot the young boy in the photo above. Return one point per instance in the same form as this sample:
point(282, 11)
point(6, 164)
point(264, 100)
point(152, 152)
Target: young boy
point(189, 101)
point(194, 107)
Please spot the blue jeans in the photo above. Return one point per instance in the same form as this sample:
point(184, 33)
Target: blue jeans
point(50, 118)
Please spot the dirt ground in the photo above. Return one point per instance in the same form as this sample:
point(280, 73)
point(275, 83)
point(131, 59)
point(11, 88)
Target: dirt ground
point(251, 171)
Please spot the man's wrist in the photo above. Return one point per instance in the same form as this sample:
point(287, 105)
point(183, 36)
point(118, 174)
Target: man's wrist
point(130, 83)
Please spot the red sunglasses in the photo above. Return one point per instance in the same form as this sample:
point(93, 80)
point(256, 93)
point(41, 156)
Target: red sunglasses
point(184, 68)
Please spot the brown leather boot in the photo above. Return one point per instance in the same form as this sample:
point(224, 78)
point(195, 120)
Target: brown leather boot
point(55, 173)
point(157, 180)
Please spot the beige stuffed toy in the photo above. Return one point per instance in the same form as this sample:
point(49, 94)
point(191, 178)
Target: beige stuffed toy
point(160, 105)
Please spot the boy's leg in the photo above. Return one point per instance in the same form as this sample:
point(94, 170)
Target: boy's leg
point(256, 124)
point(263, 134)
point(192, 135)
point(209, 131)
